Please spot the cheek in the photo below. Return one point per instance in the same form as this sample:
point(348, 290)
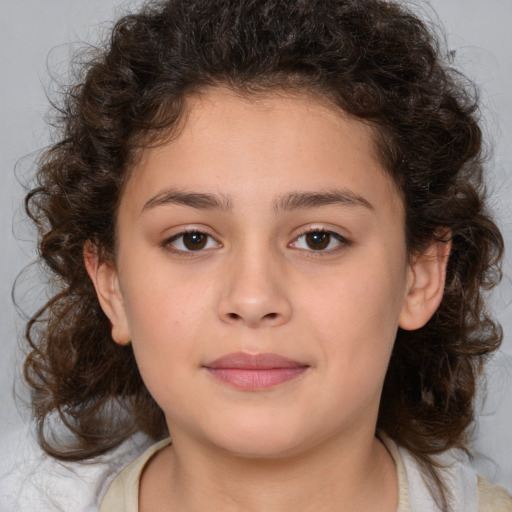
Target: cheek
point(166, 317)
point(356, 314)
point(162, 340)
point(158, 299)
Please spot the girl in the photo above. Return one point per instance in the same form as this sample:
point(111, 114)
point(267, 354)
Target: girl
point(266, 227)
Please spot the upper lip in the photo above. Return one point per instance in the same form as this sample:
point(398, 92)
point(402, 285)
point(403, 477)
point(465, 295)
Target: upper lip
point(245, 361)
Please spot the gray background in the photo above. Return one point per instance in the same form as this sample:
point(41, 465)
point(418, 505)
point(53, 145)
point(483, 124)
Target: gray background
point(35, 36)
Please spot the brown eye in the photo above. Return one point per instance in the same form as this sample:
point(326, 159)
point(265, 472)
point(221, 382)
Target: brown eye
point(321, 241)
point(190, 241)
point(318, 240)
point(194, 241)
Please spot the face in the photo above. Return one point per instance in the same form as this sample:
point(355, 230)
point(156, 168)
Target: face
point(261, 274)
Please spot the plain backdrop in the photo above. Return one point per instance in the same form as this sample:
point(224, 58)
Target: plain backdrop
point(35, 39)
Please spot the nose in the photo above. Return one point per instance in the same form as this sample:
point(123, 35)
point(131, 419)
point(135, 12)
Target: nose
point(255, 292)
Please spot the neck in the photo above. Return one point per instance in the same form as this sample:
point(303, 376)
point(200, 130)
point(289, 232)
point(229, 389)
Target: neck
point(352, 475)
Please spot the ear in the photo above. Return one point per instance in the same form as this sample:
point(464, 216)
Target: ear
point(425, 287)
point(104, 277)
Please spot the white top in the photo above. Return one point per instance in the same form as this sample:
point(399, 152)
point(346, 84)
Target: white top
point(469, 492)
point(31, 481)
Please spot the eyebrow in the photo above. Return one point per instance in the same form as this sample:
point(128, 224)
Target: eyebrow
point(285, 203)
point(302, 200)
point(198, 200)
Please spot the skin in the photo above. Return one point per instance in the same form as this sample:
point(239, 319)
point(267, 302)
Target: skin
point(258, 287)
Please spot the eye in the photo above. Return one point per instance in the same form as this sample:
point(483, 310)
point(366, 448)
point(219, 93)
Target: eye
point(190, 241)
point(319, 240)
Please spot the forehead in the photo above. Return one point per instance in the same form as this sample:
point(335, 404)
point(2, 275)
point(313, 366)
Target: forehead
point(233, 144)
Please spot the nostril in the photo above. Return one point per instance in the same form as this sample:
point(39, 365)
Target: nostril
point(268, 316)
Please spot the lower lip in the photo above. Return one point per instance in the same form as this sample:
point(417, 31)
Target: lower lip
point(256, 379)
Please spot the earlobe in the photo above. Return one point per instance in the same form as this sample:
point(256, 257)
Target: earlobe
point(425, 286)
point(104, 277)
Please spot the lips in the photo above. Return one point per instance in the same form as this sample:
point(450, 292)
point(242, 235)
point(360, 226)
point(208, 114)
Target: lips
point(254, 372)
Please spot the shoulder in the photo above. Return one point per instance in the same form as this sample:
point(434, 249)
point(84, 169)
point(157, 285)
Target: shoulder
point(469, 492)
point(123, 492)
point(493, 498)
point(32, 480)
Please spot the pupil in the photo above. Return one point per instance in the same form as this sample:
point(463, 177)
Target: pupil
point(194, 241)
point(318, 240)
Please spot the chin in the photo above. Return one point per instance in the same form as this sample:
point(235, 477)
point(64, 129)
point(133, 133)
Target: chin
point(258, 442)
point(262, 449)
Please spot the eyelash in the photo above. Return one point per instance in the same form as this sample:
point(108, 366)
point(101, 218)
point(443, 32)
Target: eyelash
point(167, 243)
point(341, 241)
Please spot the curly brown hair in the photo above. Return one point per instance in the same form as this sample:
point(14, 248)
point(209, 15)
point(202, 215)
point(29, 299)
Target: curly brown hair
point(372, 59)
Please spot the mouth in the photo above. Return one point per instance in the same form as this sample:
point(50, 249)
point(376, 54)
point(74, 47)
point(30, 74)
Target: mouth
point(255, 372)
